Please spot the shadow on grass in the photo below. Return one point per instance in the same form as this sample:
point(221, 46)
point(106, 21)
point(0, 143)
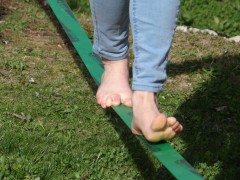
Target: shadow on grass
point(211, 116)
point(144, 164)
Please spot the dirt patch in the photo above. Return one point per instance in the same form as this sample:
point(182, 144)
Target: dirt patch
point(179, 83)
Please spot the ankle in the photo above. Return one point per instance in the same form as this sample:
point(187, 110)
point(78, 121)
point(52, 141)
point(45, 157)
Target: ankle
point(116, 67)
point(112, 62)
point(144, 94)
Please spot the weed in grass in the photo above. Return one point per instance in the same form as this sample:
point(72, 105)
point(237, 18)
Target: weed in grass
point(18, 65)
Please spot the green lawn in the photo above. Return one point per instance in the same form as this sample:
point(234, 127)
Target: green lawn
point(52, 128)
point(218, 15)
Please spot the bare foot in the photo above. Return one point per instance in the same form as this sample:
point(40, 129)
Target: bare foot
point(149, 122)
point(114, 88)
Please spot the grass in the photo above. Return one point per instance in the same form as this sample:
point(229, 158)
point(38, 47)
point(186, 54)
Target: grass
point(52, 128)
point(217, 15)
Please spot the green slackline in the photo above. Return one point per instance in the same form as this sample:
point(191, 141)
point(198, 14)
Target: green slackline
point(163, 151)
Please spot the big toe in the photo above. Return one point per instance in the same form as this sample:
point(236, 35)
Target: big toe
point(159, 123)
point(99, 98)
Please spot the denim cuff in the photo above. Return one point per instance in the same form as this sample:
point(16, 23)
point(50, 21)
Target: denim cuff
point(111, 58)
point(154, 88)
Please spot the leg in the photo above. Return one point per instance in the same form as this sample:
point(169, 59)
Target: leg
point(153, 25)
point(111, 28)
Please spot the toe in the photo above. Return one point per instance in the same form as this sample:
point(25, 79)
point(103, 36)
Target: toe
point(115, 100)
point(99, 99)
point(169, 133)
point(175, 126)
point(159, 123)
point(108, 101)
point(103, 102)
point(171, 121)
point(103, 105)
point(179, 129)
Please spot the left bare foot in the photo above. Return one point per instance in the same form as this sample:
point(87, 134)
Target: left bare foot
point(114, 88)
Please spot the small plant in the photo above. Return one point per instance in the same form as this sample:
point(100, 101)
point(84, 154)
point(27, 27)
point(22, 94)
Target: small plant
point(15, 64)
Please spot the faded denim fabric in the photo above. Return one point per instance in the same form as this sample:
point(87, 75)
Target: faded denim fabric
point(153, 24)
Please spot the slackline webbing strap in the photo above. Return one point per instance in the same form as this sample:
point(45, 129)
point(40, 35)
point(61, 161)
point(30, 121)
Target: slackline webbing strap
point(163, 151)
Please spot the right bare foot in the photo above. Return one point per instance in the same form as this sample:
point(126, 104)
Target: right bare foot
point(114, 88)
point(149, 122)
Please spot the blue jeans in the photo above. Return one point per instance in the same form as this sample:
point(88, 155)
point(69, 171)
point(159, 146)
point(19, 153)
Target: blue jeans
point(153, 25)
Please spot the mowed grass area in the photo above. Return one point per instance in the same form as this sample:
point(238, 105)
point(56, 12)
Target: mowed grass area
point(217, 15)
point(52, 128)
